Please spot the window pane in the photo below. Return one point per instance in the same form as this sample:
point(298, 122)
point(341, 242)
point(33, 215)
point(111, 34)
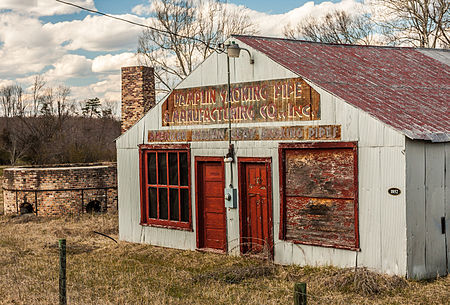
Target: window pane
point(173, 168)
point(174, 213)
point(152, 199)
point(184, 205)
point(184, 174)
point(151, 170)
point(162, 168)
point(163, 211)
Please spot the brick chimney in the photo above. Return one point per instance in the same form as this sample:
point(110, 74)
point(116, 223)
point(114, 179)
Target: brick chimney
point(138, 94)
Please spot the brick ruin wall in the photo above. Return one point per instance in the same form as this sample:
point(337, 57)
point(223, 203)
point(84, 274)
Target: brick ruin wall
point(64, 190)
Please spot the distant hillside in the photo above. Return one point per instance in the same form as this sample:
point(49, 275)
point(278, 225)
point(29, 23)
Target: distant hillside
point(51, 139)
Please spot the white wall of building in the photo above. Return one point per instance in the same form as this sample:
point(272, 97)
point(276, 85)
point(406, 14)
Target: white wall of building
point(381, 165)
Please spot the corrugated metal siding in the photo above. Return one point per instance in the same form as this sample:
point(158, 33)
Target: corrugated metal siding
point(401, 87)
point(427, 202)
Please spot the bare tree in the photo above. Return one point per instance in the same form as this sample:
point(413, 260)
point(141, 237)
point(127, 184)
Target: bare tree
point(111, 109)
point(36, 92)
point(64, 106)
point(171, 52)
point(13, 139)
point(335, 27)
point(46, 101)
point(11, 100)
point(421, 23)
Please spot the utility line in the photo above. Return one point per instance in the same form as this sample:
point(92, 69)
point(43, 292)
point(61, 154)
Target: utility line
point(136, 23)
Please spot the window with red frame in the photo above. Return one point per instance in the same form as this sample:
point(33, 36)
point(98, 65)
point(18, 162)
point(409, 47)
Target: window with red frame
point(165, 187)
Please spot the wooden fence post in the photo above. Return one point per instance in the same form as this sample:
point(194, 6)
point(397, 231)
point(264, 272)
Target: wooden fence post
point(300, 294)
point(62, 272)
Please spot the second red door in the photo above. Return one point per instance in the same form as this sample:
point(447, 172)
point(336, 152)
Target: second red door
point(256, 216)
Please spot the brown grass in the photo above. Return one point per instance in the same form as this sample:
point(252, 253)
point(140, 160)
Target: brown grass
point(103, 272)
point(2, 167)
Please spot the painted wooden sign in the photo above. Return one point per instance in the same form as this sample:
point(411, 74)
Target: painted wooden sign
point(266, 101)
point(320, 132)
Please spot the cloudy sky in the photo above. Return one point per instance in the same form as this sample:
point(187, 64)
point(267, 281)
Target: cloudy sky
point(85, 51)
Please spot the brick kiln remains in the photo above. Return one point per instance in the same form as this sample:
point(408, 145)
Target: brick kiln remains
point(60, 189)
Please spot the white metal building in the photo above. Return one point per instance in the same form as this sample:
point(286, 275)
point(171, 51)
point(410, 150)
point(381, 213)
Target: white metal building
point(340, 156)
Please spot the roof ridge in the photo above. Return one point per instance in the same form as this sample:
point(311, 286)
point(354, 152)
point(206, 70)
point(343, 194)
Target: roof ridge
point(336, 44)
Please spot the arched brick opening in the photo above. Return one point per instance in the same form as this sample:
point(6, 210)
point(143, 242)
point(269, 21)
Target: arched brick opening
point(95, 206)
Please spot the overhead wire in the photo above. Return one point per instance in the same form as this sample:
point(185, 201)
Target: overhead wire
point(165, 32)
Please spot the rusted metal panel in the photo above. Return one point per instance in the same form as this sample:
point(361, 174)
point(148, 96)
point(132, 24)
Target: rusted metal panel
point(321, 132)
point(265, 101)
point(326, 173)
point(328, 222)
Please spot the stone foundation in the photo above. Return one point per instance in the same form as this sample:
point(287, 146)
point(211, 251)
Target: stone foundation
point(60, 190)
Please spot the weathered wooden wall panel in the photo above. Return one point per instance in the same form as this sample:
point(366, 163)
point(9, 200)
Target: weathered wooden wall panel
point(328, 222)
point(447, 202)
point(426, 204)
point(415, 208)
point(325, 173)
point(319, 194)
point(435, 258)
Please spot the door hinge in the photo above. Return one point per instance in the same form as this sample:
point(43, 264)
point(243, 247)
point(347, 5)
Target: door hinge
point(443, 224)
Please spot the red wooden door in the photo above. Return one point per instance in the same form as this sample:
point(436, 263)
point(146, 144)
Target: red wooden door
point(211, 205)
point(256, 228)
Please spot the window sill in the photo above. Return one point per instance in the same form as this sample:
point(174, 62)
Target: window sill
point(182, 227)
point(351, 248)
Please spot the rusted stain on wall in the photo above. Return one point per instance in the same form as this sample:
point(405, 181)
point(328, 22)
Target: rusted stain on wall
point(322, 132)
point(320, 221)
point(326, 173)
point(266, 101)
point(320, 193)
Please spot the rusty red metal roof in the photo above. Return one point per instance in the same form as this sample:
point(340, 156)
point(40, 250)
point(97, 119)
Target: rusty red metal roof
point(402, 87)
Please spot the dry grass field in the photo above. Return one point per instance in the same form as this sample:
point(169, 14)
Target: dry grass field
point(1, 188)
point(103, 272)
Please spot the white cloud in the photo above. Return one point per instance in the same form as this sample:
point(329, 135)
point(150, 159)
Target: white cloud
point(272, 25)
point(143, 9)
point(113, 63)
point(27, 46)
point(106, 88)
point(70, 66)
point(97, 33)
point(6, 82)
point(44, 7)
